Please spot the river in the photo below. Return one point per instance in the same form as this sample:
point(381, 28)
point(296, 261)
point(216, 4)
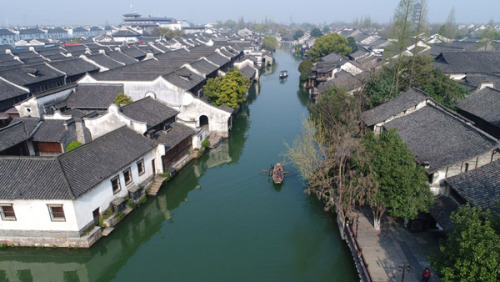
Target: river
point(220, 218)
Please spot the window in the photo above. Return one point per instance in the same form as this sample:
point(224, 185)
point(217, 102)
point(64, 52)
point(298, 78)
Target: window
point(7, 211)
point(127, 174)
point(140, 167)
point(56, 212)
point(115, 183)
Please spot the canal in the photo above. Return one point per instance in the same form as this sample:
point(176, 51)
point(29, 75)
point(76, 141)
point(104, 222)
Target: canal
point(220, 218)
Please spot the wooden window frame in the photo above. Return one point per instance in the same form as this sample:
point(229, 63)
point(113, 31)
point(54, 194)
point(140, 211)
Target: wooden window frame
point(140, 167)
point(58, 216)
point(128, 172)
point(6, 217)
point(119, 188)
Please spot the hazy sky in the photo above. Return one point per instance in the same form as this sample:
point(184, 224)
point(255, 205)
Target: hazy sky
point(99, 12)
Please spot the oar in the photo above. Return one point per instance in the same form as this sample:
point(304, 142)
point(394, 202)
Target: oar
point(290, 171)
point(265, 170)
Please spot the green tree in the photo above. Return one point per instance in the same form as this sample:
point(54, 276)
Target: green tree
point(380, 88)
point(122, 99)
point(327, 44)
point(351, 42)
point(403, 187)
point(298, 34)
point(326, 30)
point(270, 43)
point(472, 250)
point(75, 41)
point(227, 90)
point(73, 145)
point(305, 69)
point(315, 32)
point(421, 31)
point(167, 33)
point(401, 37)
point(488, 36)
point(444, 90)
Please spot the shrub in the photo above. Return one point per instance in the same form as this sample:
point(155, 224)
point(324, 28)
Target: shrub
point(205, 143)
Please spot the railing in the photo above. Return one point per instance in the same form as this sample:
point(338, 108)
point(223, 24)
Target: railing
point(351, 240)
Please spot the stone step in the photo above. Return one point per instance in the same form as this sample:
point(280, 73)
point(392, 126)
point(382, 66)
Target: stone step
point(107, 231)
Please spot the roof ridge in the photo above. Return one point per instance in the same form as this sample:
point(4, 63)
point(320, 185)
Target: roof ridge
point(70, 188)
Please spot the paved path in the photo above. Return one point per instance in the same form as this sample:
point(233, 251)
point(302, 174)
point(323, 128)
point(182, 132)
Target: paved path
point(386, 251)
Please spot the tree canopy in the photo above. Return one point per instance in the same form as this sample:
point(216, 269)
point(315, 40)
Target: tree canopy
point(298, 34)
point(315, 32)
point(403, 187)
point(351, 42)
point(418, 72)
point(327, 44)
point(122, 99)
point(167, 33)
point(73, 145)
point(305, 69)
point(227, 90)
point(472, 250)
point(270, 43)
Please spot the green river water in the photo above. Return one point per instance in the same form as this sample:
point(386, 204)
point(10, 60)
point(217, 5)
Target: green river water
point(220, 218)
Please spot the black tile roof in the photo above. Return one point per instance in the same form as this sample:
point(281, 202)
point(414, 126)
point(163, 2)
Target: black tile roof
point(33, 178)
point(94, 96)
point(56, 30)
point(217, 59)
point(51, 130)
point(104, 61)
point(175, 135)
point(484, 103)
point(468, 62)
point(133, 52)
point(8, 91)
point(148, 110)
point(74, 66)
point(248, 72)
point(125, 33)
point(27, 75)
point(31, 31)
point(480, 187)
point(73, 173)
point(475, 80)
point(204, 66)
point(121, 57)
point(4, 32)
point(441, 211)
point(399, 104)
point(88, 165)
point(16, 132)
point(184, 78)
point(436, 136)
point(342, 80)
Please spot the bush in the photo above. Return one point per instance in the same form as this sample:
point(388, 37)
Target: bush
point(205, 143)
point(73, 145)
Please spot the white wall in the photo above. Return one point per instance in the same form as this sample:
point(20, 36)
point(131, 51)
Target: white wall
point(102, 195)
point(34, 107)
point(111, 121)
point(34, 215)
point(190, 108)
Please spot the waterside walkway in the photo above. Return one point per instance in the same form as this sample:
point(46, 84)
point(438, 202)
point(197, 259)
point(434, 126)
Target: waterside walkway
point(387, 251)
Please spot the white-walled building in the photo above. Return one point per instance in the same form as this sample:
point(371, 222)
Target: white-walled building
point(55, 201)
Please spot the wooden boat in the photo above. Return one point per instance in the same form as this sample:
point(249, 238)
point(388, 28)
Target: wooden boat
point(278, 174)
point(283, 74)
